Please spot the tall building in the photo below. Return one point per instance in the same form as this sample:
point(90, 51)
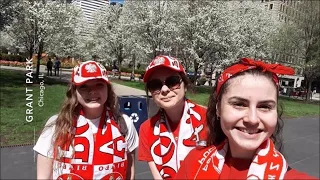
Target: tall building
point(289, 11)
point(89, 8)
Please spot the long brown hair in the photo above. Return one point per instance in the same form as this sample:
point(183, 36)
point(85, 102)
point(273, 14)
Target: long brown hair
point(215, 134)
point(64, 126)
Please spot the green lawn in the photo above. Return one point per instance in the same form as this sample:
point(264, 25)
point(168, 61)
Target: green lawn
point(14, 127)
point(292, 107)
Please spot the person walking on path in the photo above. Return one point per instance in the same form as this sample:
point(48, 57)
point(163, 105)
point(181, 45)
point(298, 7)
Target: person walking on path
point(178, 127)
point(49, 67)
point(57, 64)
point(89, 138)
point(244, 124)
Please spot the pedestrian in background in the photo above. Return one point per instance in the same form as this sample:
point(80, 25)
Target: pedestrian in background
point(49, 67)
point(178, 127)
point(89, 138)
point(57, 64)
point(244, 127)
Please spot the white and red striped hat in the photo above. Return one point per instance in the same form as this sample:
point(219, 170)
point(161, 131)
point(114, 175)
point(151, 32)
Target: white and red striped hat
point(89, 70)
point(163, 61)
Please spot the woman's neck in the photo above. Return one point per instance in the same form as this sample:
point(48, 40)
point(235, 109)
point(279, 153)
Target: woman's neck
point(175, 114)
point(93, 113)
point(236, 152)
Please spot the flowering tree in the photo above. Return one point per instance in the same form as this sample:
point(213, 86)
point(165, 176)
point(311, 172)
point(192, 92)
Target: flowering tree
point(220, 32)
point(152, 25)
point(111, 38)
point(44, 26)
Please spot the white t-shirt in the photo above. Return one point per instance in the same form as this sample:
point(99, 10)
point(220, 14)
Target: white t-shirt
point(44, 145)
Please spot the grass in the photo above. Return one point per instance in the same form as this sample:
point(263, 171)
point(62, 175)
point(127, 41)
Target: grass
point(14, 127)
point(291, 107)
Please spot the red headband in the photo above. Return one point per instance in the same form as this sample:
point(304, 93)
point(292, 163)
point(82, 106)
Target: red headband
point(246, 64)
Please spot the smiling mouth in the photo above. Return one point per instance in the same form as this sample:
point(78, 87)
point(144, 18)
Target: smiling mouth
point(93, 99)
point(249, 131)
point(166, 99)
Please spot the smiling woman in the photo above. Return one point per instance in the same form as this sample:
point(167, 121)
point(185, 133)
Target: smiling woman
point(244, 124)
point(89, 138)
point(178, 127)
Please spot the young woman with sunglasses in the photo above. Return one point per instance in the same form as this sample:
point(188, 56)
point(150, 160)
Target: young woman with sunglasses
point(166, 138)
point(244, 121)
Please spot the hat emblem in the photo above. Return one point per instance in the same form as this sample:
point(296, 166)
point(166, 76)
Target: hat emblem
point(159, 60)
point(91, 68)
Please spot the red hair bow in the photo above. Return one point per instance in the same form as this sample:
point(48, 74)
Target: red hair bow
point(246, 64)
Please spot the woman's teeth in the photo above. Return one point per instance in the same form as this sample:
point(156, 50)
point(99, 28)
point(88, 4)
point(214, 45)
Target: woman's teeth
point(249, 131)
point(94, 99)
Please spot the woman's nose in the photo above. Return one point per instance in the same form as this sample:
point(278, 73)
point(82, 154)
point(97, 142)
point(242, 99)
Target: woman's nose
point(165, 89)
point(92, 90)
point(252, 116)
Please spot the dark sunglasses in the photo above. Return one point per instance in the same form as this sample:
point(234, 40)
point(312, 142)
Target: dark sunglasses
point(172, 82)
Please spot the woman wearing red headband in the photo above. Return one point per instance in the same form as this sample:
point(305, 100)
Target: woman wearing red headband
point(244, 127)
point(166, 138)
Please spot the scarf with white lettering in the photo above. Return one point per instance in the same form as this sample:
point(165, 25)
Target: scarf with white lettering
point(267, 163)
point(96, 156)
point(166, 152)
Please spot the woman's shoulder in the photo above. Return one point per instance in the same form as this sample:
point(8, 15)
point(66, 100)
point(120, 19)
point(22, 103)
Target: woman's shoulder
point(150, 122)
point(199, 106)
point(52, 119)
point(199, 153)
point(294, 174)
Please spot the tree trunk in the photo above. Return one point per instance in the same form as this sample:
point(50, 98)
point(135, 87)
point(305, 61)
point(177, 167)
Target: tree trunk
point(132, 77)
point(40, 49)
point(195, 77)
point(309, 91)
point(120, 59)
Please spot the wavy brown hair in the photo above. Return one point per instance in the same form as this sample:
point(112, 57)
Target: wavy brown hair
point(64, 126)
point(215, 133)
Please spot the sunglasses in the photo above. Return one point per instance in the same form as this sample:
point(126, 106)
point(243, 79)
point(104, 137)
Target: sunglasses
point(172, 82)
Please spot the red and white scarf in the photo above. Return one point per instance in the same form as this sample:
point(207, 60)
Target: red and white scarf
point(166, 152)
point(100, 156)
point(267, 163)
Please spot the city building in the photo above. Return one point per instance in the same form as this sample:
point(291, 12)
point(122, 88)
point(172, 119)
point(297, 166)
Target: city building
point(289, 11)
point(89, 8)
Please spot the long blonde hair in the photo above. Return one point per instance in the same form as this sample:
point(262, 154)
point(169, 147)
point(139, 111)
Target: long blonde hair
point(64, 125)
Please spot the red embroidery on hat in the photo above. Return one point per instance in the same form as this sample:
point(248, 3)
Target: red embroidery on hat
point(91, 70)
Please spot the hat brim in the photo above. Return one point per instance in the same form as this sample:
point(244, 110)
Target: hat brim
point(80, 82)
point(150, 71)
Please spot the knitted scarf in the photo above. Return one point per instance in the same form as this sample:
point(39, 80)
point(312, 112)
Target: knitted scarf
point(95, 156)
point(267, 163)
point(167, 153)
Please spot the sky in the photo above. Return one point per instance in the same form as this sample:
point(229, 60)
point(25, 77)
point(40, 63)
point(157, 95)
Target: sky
point(118, 1)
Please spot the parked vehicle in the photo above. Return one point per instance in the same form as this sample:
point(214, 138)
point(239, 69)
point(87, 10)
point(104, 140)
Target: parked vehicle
point(298, 92)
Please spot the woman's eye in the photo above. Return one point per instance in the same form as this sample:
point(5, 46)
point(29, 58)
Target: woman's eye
point(265, 107)
point(238, 104)
point(83, 87)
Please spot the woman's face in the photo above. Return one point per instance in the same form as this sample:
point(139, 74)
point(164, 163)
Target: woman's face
point(166, 87)
point(92, 94)
point(248, 113)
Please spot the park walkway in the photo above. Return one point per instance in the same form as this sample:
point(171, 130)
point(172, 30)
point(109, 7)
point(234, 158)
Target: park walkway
point(301, 147)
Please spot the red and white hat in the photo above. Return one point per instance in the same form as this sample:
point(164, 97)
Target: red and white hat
point(87, 71)
point(163, 61)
